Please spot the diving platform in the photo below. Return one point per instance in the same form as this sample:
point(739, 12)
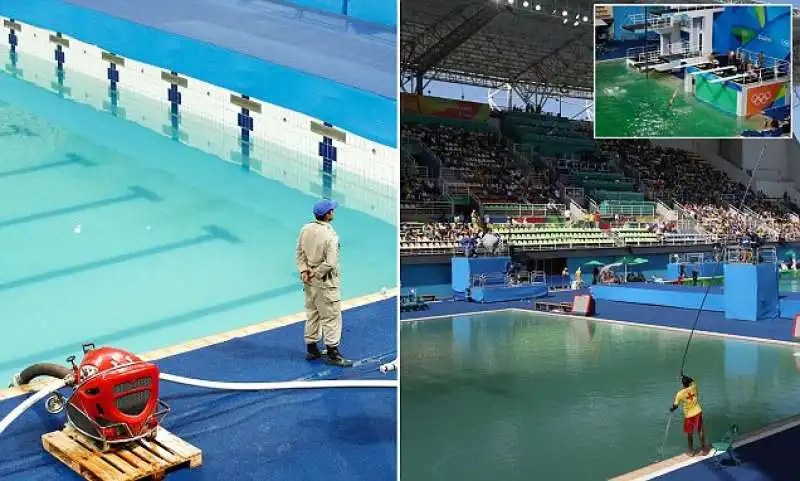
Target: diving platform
point(680, 63)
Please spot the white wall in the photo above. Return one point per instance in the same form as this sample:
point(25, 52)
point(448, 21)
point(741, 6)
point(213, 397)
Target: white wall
point(367, 173)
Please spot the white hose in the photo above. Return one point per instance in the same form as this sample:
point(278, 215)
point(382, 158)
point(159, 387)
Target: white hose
point(23, 406)
point(227, 386)
point(269, 386)
point(390, 366)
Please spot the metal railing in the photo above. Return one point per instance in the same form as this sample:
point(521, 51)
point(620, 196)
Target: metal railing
point(426, 210)
point(523, 210)
point(737, 254)
point(502, 279)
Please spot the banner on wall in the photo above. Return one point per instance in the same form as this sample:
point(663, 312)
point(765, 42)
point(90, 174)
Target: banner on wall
point(439, 107)
point(759, 28)
point(763, 97)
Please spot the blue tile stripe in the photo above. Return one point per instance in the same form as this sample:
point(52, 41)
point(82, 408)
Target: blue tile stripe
point(60, 57)
point(113, 93)
point(174, 97)
point(13, 40)
point(327, 151)
point(245, 122)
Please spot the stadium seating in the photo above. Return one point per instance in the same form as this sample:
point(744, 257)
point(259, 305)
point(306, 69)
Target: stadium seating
point(535, 237)
point(621, 180)
point(636, 236)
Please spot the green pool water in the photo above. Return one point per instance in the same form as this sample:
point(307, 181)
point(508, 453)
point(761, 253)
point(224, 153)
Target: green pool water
point(631, 104)
point(519, 396)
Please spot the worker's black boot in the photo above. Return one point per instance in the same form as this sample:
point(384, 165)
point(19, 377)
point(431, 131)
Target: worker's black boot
point(313, 352)
point(335, 358)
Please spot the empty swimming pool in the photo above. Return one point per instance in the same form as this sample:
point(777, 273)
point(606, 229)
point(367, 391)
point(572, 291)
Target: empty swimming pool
point(516, 395)
point(120, 234)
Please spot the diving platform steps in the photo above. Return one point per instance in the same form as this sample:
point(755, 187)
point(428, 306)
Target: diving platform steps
point(143, 460)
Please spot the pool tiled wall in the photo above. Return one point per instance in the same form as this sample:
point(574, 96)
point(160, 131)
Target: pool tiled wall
point(361, 173)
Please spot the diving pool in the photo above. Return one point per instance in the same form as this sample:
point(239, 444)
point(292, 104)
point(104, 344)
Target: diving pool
point(632, 104)
point(121, 234)
point(517, 395)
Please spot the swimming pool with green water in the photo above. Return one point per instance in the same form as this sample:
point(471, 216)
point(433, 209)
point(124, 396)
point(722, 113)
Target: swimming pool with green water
point(632, 104)
point(517, 395)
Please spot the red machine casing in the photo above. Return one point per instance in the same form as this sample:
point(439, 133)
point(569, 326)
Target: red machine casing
point(116, 396)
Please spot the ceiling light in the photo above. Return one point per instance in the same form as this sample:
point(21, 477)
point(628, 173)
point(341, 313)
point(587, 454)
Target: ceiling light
point(538, 7)
point(525, 4)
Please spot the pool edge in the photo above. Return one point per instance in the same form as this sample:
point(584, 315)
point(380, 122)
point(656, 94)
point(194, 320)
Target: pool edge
point(681, 461)
point(762, 340)
point(206, 341)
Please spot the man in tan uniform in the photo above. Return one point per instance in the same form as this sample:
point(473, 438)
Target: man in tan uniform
point(317, 259)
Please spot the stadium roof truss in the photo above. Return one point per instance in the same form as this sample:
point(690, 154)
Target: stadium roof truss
point(499, 44)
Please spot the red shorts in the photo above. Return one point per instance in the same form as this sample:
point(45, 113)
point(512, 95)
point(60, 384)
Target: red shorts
point(692, 424)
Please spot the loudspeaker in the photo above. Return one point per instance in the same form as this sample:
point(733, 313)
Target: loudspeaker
point(583, 305)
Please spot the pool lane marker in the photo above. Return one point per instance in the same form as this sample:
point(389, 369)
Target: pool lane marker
point(244, 120)
point(214, 339)
point(175, 98)
point(71, 159)
point(135, 193)
point(328, 153)
point(13, 41)
point(112, 74)
point(60, 58)
point(213, 233)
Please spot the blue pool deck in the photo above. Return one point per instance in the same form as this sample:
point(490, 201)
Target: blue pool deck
point(331, 434)
point(766, 456)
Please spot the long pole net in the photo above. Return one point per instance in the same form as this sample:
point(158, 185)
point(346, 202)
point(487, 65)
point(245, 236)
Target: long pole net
point(708, 289)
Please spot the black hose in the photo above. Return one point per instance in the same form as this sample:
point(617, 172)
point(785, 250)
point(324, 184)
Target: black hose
point(41, 369)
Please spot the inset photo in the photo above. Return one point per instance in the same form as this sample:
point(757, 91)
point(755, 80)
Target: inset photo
point(692, 71)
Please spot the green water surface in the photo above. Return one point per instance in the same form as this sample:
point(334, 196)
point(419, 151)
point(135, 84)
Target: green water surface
point(521, 396)
point(631, 104)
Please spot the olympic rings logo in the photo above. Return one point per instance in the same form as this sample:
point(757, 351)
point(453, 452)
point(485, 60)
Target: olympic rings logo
point(761, 98)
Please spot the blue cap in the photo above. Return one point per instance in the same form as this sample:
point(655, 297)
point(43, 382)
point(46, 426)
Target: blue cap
point(324, 206)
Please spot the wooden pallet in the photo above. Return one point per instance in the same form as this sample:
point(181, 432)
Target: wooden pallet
point(137, 461)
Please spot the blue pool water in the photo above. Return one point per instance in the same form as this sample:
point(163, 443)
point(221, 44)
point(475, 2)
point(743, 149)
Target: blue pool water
point(113, 233)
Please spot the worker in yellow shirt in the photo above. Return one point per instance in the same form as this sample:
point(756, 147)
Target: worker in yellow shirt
point(692, 413)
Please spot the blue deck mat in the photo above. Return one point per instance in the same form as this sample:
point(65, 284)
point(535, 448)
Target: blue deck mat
point(776, 329)
point(248, 50)
point(769, 459)
point(333, 434)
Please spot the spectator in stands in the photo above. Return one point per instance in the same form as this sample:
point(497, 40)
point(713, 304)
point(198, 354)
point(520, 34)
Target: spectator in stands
point(491, 241)
point(468, 244)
